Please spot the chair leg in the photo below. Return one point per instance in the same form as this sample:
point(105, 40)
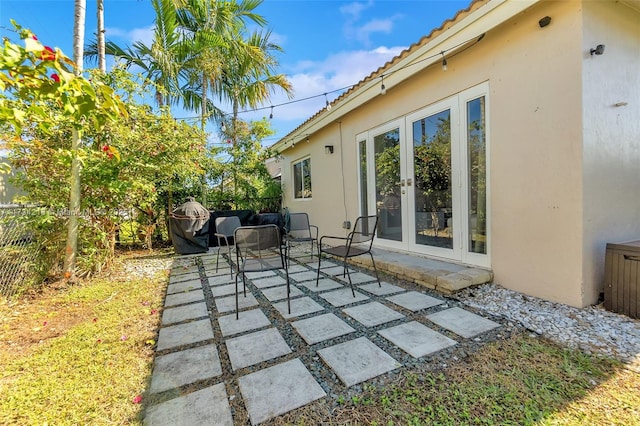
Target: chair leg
point(286, 271)
point(237, 304)
point(375, 269)
point(349, 276)
point(218, 257)
point(318, 275)
point(230, 264)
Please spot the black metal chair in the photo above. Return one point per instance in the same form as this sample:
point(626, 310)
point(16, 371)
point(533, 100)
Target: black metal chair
point(259, 248)
point(225, 227)
point(301, 231)
point(358, 242)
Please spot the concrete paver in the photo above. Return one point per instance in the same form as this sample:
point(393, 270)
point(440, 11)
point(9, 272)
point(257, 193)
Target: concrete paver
point(303, 276)
point(221, 279)
point(183, 277)
point(343, 296)
point(249, 320)
point(322, 327)
point(335, 270)
point(358, 360)
point(372, 314)
point(183, 298)
point(184, 334)
point(381, 289)
point(183, 286)
point(225, 289)
point(416, 339)
point(228, 303)
point(208, 406)
point(299, 307)
point(278, 293)
point(184, 367)
point(185, 312)
point(271, 281)
point(276, 390)
point(357, 278)
point(323, 284)
point(414, 301)
point(462, 322)
point(253, 348)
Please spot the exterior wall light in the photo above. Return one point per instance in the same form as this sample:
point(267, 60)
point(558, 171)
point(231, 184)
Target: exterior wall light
point(328, 149)
point(599, 50)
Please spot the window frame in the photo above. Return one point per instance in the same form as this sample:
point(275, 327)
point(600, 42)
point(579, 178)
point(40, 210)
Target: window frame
point(302, 162)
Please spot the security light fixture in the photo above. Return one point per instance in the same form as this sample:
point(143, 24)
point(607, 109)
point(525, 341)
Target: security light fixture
point(543, 22)
point(328, 149)
point(599, 50)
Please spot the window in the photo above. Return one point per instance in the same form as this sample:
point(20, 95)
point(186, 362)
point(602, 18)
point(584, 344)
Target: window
point(302, 179)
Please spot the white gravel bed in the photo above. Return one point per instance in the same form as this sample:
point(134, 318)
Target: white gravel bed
point(591, 329)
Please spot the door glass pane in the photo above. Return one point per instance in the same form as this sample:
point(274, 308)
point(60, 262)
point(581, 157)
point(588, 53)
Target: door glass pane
point(362, 164)
point(477, 148)
point(432, 180)
point(388, 203)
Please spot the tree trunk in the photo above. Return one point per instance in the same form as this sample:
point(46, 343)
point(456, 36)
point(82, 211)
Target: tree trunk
point(71, 251)
point(102, 63)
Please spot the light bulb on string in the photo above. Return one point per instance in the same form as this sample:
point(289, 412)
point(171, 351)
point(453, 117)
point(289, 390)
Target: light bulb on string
point(444, 62)
point(383, 89)
point(327, 102)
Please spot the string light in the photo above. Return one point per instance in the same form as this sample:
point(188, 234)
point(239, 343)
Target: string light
point(271, 115)
point(382, 86)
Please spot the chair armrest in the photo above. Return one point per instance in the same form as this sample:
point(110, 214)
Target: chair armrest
point(316, 230)
point(334, 238)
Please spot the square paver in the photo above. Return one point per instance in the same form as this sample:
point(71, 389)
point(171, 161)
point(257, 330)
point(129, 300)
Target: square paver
point(297, 268)
point(372, 314)
point(228, 303)
point(183, 286)
point(247, 320)
point(383, 289)
point(303, 276)
point(324, 264)
point(462, 322)
point(186, 269)
point(299, 307)
point(184, 277)
point(222, 279)
point(323, 284)
point(254, 348)
point(343, 296)
point(183, 298)
point(278, 293)
point(276, 390)
point(184, 334)
point(225, 289)
point(208, 406)
point(210, 270)
point(414, 301)
point(321, 327)
point(416, 339)
point(183, 313)
point(357, 278)
point(261, 274)
point(335, 270)
point(185, 367)
point(358, 360)
point(271, 281)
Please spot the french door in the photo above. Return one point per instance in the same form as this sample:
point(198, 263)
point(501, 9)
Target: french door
point(426, 177)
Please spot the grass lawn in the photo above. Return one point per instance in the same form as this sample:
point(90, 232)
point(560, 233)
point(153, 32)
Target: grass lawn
point(83, 355)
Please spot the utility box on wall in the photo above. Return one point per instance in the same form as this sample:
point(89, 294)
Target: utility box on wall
point(622, 278)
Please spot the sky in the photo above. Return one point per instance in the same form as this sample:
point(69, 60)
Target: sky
point(328, 45)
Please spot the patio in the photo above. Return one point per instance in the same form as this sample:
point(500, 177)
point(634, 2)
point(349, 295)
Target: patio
point(213, 369)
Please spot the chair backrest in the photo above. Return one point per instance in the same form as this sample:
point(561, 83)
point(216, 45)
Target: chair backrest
point(364, 230)
point(227, 225)
point(259, 247)
point(299, 225)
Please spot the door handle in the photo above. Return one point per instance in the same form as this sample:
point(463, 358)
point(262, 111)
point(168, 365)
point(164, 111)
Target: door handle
point(402, 182)
point(409, 182)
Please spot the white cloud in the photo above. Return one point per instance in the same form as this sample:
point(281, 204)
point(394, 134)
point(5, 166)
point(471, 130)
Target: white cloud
point(353, 10)
point(144, 35)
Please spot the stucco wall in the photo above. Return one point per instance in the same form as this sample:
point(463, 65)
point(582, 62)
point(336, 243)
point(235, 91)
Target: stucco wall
point(535, 103)
point(611, 154)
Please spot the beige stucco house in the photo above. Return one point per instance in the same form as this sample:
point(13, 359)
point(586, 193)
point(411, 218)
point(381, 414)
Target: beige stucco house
point(523, 157)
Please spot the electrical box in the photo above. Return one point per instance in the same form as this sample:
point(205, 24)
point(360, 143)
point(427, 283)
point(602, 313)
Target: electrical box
point(346, 224)
point(622, 278)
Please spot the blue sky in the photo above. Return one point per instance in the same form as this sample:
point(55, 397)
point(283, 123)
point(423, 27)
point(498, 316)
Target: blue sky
point(328, 44)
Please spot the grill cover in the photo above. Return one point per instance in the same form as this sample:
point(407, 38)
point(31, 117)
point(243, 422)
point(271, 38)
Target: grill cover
point(189, 225)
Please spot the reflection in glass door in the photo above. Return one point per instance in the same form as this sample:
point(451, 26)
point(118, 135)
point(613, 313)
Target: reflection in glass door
point(432, 173)
point(387, 179)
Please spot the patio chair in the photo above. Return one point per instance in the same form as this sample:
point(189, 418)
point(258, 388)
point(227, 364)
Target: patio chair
point(357, 243)
point(225, 227)
point(259, 248)
point(300, 231)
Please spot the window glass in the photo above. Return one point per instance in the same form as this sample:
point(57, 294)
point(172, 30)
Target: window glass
point(302, 179)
